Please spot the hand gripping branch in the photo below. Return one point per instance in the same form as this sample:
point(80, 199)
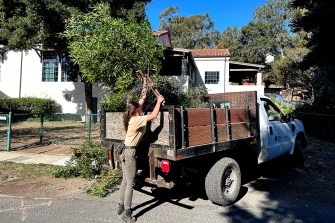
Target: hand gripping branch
point(150, 85)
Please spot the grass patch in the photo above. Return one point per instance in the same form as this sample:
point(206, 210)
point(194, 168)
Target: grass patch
point(85, 162)
point(24, 171)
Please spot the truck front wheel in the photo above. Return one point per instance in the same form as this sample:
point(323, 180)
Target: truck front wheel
point(223, 182)
point(298, 154)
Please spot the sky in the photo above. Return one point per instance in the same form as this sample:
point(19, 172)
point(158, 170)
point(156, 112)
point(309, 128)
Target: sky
point(222, 12)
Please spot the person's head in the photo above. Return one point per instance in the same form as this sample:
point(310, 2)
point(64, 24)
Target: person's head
point(133, 108)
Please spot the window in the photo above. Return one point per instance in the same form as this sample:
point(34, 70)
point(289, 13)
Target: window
point(50, 66)
point(272, 111)
point(70, 71)
point(212, 77)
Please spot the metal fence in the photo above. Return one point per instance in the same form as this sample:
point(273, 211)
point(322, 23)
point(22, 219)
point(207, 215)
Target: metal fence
point(318, 125)
point(20, 131)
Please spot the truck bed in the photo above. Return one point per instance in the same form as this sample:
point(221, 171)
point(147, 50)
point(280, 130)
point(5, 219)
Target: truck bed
point(179, 133)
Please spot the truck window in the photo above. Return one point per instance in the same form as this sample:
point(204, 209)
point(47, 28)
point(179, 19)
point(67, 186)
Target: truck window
point(271, 110)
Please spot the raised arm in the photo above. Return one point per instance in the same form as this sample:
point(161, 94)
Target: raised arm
point(143, 92)
point(155, 112)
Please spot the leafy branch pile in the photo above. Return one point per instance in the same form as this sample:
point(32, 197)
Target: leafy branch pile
point(86, 162)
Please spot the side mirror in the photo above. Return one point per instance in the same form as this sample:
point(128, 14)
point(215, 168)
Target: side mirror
point(291, 116)
point(288, 117)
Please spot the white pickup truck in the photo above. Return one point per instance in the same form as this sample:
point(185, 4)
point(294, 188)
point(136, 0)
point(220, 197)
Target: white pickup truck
point(184, 144)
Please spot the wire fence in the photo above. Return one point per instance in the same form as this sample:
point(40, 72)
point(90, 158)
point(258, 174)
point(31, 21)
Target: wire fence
point(318, 125)
point(3, 131)
point(19, 131)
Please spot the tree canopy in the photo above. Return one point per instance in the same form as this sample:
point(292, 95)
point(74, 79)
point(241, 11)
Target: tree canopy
point(266, 34)
point(193, 32)
point(315, 18)
point(25, 23)
point(111, 51)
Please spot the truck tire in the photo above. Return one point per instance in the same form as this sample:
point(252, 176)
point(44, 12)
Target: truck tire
point(223, 182)
point(298, 154)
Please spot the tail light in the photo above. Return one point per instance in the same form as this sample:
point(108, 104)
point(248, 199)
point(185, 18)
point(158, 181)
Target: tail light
point(165, 166)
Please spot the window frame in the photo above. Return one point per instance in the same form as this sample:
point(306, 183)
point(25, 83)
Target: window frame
point(212, 77)
point(50, 67)
point(67, 63)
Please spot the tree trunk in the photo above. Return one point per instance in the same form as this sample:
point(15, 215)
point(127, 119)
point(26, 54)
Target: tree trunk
point(88, 98)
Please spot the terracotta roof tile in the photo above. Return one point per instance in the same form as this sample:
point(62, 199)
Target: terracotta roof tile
point(160, 32)
point(210, 53)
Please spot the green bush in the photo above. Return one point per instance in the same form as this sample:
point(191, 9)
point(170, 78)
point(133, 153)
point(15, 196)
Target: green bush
point(85, 162)
point(80, 165)
point(27, 105)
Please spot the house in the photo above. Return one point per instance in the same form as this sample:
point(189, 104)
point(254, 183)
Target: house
point(219, 74)
point(45, 74)
point(213, 69)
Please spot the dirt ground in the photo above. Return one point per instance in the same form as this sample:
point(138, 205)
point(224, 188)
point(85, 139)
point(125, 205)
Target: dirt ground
point(44, 186)
point(319, 169)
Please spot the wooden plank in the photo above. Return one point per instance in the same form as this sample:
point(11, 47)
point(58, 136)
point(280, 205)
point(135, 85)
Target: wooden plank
point(222, 132)
point(199, 135)
point(220, 116)
point(158, 129)
point(198, 117)
point(238, 115)
point(239, 130)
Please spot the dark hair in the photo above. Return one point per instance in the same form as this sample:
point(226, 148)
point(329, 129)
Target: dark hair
point(130, 111)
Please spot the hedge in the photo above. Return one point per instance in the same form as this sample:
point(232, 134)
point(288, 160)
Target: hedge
point(27, 105)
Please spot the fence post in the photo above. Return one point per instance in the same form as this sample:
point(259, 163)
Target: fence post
point(9, 129)
point(89, 127)
point(41, 127)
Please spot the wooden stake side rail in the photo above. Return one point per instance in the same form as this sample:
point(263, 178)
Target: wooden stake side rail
point(180, 133)
point(199, 131)
point(206, 130)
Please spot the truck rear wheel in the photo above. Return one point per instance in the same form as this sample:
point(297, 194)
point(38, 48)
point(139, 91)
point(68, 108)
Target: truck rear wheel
point(223, 182)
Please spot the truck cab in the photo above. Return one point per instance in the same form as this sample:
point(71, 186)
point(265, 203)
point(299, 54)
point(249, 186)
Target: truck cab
point(279, 133)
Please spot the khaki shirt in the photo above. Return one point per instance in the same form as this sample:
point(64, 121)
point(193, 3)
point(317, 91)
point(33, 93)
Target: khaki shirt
point(136, 130)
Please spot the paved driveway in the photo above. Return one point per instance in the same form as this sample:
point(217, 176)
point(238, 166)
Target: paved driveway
point(277, 193)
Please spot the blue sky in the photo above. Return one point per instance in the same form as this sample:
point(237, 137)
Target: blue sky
point(222, 12)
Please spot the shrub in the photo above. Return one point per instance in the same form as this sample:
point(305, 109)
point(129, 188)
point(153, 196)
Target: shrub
point(27, 105)
point(85, 162)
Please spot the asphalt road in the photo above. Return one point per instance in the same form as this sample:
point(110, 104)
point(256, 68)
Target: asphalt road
point(273, 193)
point(263, 200)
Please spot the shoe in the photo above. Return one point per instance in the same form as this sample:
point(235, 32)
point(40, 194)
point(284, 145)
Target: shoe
point(126, 216)
point(120, 209)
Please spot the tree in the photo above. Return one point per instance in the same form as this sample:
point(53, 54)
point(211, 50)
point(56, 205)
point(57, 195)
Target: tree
point(192, 32)
point(288, 70)
point(267, 33)
point(25, 23)
point(229, 38)
point(315, 18)
point(112, 51)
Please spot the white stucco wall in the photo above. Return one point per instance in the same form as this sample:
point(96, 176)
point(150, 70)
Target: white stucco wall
point(221, 64)
point(70, 95)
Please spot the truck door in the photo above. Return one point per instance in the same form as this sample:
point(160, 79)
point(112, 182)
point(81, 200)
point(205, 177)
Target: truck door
point(279, 135)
